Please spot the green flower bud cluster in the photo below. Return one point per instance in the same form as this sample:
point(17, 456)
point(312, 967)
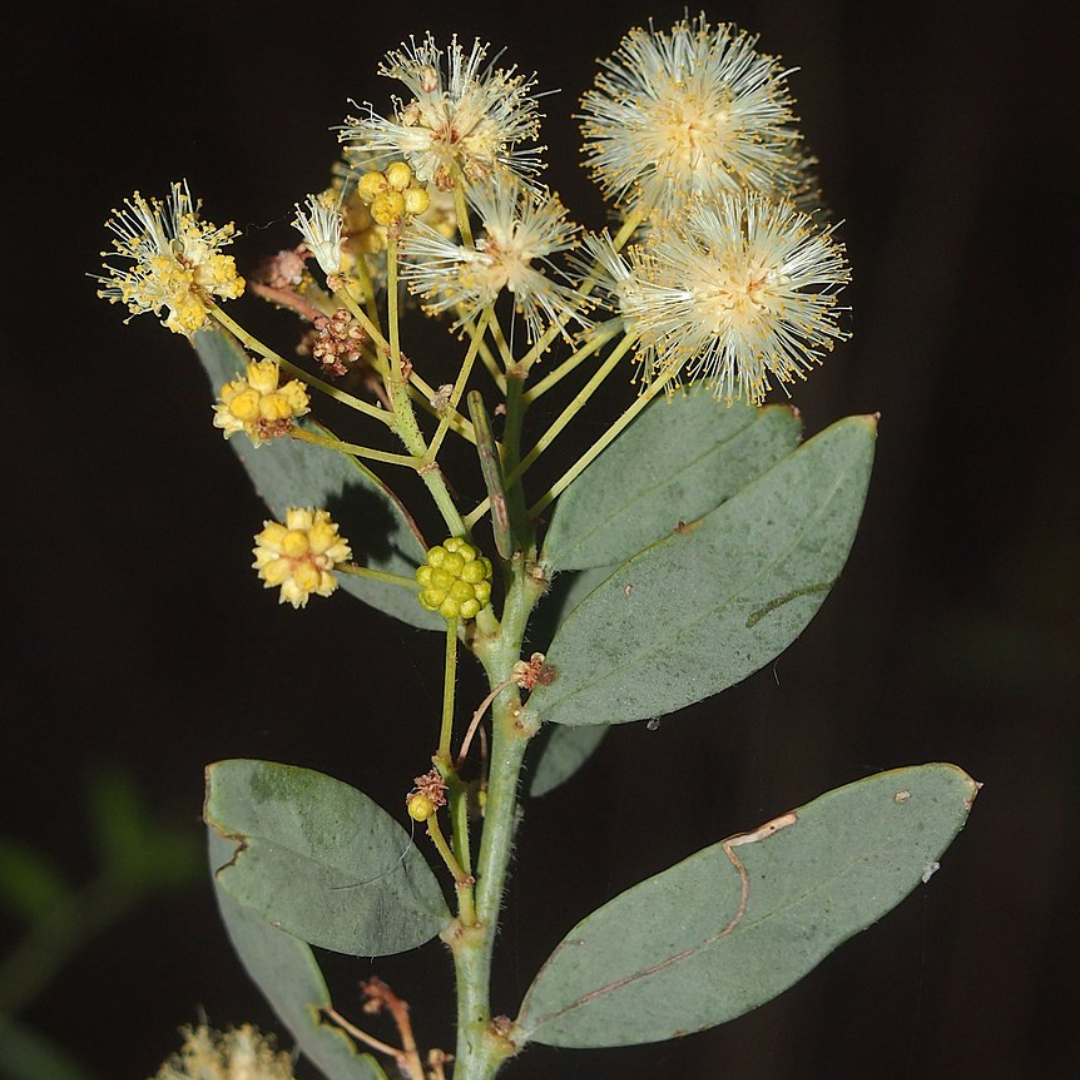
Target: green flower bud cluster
point(455, 580)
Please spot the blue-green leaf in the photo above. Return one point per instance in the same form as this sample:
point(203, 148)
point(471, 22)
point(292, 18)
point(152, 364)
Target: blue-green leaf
point(320, 860)
point(717, 599)
point(741, 921)
point(285, 970)
point(288, 473)
point(557, 753)
point(677, 461)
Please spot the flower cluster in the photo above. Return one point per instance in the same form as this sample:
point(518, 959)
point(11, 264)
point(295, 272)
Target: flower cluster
point(455, 579)
point(176, 265)
point(697, 112)
point(521, 231)
point(731, 279)
point(736, 293)
point(394, 195)
point(255, 404)
point(465, 119)
point(242, 1054)
point(299, 555)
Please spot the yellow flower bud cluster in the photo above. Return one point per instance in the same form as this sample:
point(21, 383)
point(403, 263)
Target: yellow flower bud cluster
point(299, 555)
point(256, 404)
point(394, 194)
point(455, 579)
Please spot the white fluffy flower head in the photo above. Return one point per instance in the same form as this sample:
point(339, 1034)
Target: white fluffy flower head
point(320, 226)
point(694, 112)
point(521, 231)
point(464, 115)
point(242, 1054)
point(739, 293)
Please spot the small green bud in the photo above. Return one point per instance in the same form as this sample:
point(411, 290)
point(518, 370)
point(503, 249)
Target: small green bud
point(455, 579)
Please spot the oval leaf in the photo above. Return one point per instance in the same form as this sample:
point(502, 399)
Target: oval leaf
point(681, 458)
point(718, 599)
point(286, 972)
point(320, 860)
point(739, 922)
point(288, 473)
point(557, 753)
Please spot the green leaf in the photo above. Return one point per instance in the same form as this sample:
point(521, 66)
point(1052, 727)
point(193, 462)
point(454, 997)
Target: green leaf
point(718, 599)
point(134, 846)
point(557, 753)
point(30, 881)
point(678, 460)
point(26, 1054)
point(741, 921)
point(287, 473)
point(285, 970)
point(320, 860)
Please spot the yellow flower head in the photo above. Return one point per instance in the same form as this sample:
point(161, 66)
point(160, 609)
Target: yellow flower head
point(299, 555)
point(257, 405)
point(175, 267)
point(243, 1054)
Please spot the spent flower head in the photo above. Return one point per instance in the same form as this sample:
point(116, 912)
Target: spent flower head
point(521, 230)
point(256, 404)
point(242, 1054)
point(694, 112)
point(464, 116)
point(299, 555)
point(738, 293)
point(170, 261)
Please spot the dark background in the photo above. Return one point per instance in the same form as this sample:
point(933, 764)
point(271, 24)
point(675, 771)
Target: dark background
point(139, 637)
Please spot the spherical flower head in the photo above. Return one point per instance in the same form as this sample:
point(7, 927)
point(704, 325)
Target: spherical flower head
point(737, 293)
point(254, 403)
point(242, 1054)
point(463, 118)
point(455, 579)
point(297, 556)
point(395, 195)
point(364, 240)
point(694, 112)
point(320, 226)
point(520, 231)
point(176, 265)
